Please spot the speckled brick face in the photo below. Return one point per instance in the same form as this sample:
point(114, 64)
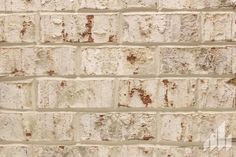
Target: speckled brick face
point(117, 78)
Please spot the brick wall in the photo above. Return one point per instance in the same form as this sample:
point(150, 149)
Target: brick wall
point(116, 78)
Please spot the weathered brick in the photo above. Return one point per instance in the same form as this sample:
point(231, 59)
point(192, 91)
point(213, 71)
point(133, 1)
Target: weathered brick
point(39, 60)
point(22, 5)
point(15, 151)
point(166, 151)
point(177, 93)
point(210, 122)
point(16, 95)
point(196, 4)
point(99, 4)
point(117, 61)
point(116, 127)
point(139, 3)
point(59, 5)
point(36, 126)
point(178, 127)
point(74, 28)
point(151, 27)
point(137, 93)
point(18, 28)
point(2, 6)
point(79, 93)
point(216, 93)
point(197, 60)
point(217, 26)
point(218, 152)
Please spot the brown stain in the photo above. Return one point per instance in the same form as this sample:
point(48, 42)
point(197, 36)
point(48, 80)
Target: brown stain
point(111, 38)
point(148, 137)
point(63, 83)
point(15, 71)
point(232, 81)
point(165, 82)
point(131, 58)
point(146, 99)
point(121, 105)
point(89, 26)
point(28, 134)
point(25, 25)
point(62, 147)
point(51, 72)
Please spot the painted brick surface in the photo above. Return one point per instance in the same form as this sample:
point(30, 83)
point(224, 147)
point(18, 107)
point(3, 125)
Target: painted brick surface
point(117, 78)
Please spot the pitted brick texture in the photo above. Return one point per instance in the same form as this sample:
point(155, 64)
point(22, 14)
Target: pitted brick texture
point(117, 78)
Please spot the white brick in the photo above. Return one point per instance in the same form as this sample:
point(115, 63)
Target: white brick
point(36, 126)
point(197, 60)
point(22, 5)
point(178, 127)
point(74, 28)
point(16, 151)
point(99, 4)
point(177, 93)
point(16, 95)
point(139, 3)
point(216, 93)
point(39, 60)
point(217, 26)
point(58, 5)
point(137, 93)
point(116, 127)
point(151, 27)
point(79, 93)
point(117, 61)
point(18, 28)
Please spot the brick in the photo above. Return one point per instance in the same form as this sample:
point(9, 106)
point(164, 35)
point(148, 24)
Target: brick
point(139, 3)
point(18, 28)
point(16, 95)
point(116, 127)
point(117, 61)
point(178, 127)
point(22, 5)
point(74, 28)
point(16, 151)
point(36, 126)
point(216, 93)
point(196, 4)
point(39, 60)
point(197, 60)
point(3, 6)
point(58, 5)
point(216, 27)
point(137, 93)
point(167, 151)
point(218, 152)
point(75, 93)
point(159, 27)
point(177, 93)
point(210, 122)
point(99, 4)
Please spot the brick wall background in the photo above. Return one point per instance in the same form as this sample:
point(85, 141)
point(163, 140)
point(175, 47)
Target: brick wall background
point(116, 78)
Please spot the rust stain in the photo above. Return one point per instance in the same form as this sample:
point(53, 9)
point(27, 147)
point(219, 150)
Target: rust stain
point(62, 147)
point(166, 93)
point(28, 134)
point(131, 58)
point(89, 26)
point(51, 72)
point(111, 38)
point(63, 83)
point(146, 99)
point(165, 82)
point(25, 25)
point(148, 137)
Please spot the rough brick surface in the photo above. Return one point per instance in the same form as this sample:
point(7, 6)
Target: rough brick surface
point(117, 78)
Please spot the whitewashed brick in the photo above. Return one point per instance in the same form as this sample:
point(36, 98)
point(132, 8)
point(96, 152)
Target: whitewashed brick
point(177, 93)
point(16, 151)
point(116, 127)
point(79, 93)
point(16, 95)
point(216, 93)
point(39, 60)
point(117, 61)
point(196, 4)
point(18, 28)
point(36, 126)
point(99, 4)
point(137, 93)
point(217, 26)
point(58, 5)
point(210, 122)
point(151, 27)
point(166, 151)
point(230, 152)
point(22, 5)
point(197, 60)
point(178, 127)
point(74, 28)
point(139, 3)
